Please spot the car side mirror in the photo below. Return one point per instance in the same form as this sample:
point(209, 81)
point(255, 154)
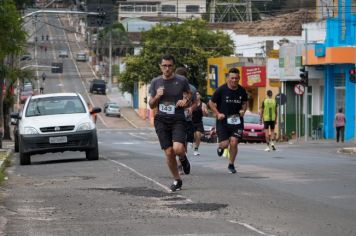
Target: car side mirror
point(15, 116)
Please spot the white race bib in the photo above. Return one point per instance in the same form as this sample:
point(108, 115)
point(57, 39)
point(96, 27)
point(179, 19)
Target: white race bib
point(233, 120)
point(168, 109)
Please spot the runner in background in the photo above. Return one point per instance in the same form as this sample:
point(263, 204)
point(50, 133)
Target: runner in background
point(182, 72)
point(197, 119)
point(269, 118)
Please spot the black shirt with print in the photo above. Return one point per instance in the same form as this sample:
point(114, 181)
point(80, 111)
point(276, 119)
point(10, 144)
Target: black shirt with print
point(229, 101)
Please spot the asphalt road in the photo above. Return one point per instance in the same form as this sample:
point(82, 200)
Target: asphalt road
point(297, 190)
point(301, 189)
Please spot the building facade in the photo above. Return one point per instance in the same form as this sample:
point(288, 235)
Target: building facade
point(335, 56)
point(183, 9)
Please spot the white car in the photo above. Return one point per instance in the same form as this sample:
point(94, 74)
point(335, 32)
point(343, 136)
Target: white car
point(56, 122)
point(112, 109)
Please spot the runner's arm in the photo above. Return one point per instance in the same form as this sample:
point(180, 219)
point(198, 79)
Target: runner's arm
point(214, 109)
point(204, 109)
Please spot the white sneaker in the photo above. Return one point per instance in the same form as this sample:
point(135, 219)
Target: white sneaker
point(272, 146)
point(196, 153)
point(267, 149)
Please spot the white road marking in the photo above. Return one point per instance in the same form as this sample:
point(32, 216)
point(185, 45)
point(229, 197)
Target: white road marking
point(186, 199)
point(139, 135)
point(123, 143)
point(250, 227)
point(139, 174)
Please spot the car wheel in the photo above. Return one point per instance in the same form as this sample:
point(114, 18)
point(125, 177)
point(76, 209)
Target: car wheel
point(25, 159)
point(92, 154)
point(16, 144)
point(118, 116)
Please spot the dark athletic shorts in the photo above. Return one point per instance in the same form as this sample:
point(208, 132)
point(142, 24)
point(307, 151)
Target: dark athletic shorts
point(198, 127)
point(225, 131)
point(269, 124)
point(169, 130)
point(190, 131)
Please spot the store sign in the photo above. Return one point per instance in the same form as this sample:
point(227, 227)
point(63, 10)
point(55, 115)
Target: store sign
point(320, 50)
point(254, 76)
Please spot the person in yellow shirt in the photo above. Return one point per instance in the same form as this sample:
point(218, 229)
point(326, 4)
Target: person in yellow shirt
point(269, 118)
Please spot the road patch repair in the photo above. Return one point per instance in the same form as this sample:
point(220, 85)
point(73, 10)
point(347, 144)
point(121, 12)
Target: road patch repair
point(348, 150)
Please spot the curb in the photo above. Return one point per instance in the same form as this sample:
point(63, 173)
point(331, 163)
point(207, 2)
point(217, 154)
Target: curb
point(6, 157)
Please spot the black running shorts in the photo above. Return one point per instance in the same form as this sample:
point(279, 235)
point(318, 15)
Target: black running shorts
point(169, 130)
point(199, 127)
point(225, 131)
point(268, 124)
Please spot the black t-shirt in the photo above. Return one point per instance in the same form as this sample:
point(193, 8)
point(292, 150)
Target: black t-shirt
point(173, 91)
point(228, 101)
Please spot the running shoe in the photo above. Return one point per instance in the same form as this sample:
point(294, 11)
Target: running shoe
point(220, 151)
point(180, 170)
point(267, 149)
point(177, 185)
point(196, 153)
point(186, 165)
point(273, 147)
point(231, 168)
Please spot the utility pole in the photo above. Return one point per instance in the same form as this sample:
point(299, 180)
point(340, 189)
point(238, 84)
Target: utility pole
point(305, 102)
point(110, 62)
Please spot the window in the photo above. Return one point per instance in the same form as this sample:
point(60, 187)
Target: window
point(192, 8)
point(127, 8)
point(168, 8)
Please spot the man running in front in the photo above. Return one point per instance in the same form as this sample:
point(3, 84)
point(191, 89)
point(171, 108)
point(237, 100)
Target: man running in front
point(170, 95)
point(229, 104)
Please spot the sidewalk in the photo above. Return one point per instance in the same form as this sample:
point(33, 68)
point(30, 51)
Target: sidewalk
point(127, 112)
point(348, 147)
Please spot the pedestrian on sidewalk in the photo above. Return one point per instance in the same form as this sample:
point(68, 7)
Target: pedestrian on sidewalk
point(229, 104)
point(339, 124)
point(197, 118)
point(171, 95)
point(183, 72)
point(269, 118)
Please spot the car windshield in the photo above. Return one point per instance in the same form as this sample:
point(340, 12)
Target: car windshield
point(114, 106)
point(209, 121)
point(54, 105)
point(252, 119)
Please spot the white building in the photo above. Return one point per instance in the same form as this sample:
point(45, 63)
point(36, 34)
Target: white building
point(183, 9)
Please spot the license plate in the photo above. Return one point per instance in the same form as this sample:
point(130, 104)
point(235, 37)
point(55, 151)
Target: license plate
point(252, 134)
point(61, 139)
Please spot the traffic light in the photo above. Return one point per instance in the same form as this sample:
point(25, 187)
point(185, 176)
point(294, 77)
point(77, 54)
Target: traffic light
point(303, 76)
point(104, 13)
point(352, 74)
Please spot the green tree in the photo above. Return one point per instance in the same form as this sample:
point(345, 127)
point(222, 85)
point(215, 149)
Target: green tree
point(12, 40)
point(119, 39)
point(191, 42)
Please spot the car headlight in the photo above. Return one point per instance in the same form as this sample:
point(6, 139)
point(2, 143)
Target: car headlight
point(30, 130)
point(85, 126)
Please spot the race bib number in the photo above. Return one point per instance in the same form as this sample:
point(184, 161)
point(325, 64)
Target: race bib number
point(233, 120)
point(168, 109)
